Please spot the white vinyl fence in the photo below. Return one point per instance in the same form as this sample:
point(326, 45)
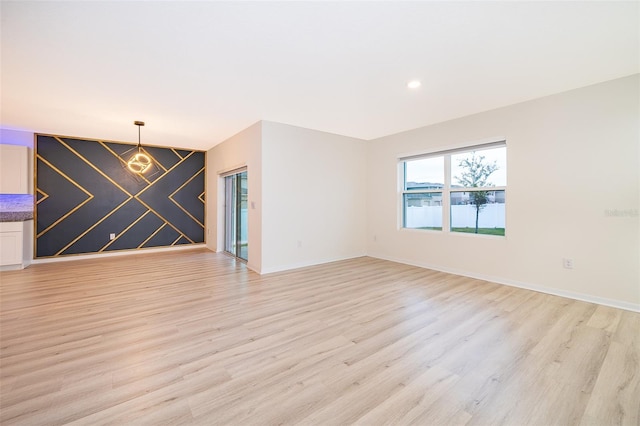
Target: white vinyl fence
point(491, 216)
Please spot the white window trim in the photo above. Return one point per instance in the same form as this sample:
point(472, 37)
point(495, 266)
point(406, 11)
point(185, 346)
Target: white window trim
point(465, 148)
point(446, 189)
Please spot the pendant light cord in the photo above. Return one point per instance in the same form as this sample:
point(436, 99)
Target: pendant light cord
point(140, 162)
point(139, 124)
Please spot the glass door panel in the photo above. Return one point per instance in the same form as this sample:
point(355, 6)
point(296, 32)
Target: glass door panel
point(242, 241)
point(236, 215)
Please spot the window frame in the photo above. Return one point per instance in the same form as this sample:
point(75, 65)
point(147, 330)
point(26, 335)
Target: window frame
point(447, 188)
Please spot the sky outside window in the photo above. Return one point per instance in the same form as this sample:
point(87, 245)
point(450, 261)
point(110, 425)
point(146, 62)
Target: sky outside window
point(425, 170)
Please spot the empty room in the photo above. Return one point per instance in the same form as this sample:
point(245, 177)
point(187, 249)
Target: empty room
point(320, 213)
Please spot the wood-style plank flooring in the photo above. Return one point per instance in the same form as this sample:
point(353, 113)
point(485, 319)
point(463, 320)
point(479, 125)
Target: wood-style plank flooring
point(193, 337)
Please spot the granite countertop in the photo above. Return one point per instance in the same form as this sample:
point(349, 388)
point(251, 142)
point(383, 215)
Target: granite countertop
point(16, 207)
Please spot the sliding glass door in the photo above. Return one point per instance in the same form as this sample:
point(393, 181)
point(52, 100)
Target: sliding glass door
point(236, 239)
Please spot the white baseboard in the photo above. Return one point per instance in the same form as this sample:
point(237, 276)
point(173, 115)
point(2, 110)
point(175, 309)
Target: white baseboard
point(16, 267)
point(307, 263)
point(633, 307)
point(119, 253)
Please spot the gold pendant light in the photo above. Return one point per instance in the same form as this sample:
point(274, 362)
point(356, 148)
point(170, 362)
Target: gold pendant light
point(139, 162)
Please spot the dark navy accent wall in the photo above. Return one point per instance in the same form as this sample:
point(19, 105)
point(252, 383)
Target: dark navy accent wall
point(85, 192)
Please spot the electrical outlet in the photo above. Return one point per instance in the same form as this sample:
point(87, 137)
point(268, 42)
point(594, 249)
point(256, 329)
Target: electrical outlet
point(112, 236)
point(567, 263)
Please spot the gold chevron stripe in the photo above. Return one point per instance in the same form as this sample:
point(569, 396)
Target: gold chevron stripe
point(93, 166)
point(92, 227)
point(201, 197)
point(61, 173)
point(152, 235)
point(177, 239)
point(186, 182)
point(178, 204)
point(163, 218)
point(124, 231)
point(165, 173)
point(43, 198)
point(176, 153)
point(48, 228)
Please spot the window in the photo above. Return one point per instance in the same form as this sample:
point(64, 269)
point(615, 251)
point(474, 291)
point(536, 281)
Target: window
point(422, 198)
point(468, 184)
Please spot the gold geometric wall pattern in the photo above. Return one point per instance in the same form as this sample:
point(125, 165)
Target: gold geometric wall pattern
point(85, 193)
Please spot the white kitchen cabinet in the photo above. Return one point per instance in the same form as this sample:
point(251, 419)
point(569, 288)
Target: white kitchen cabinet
point(14, 169)
point(15, 246)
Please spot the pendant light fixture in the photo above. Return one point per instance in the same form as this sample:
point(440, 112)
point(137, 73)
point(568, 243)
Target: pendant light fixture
point(139, 162)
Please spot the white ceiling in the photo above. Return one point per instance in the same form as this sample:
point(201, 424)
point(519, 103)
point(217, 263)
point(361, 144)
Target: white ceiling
point(199, 72)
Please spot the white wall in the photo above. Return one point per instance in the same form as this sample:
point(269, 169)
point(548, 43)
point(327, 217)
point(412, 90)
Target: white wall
point(573, 159)
point(241, 150)
point(314, 200)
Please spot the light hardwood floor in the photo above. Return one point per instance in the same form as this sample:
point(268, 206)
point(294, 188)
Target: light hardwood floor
point(193, 337)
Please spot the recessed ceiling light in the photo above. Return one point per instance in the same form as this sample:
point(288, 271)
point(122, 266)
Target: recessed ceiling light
point(414, 84)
